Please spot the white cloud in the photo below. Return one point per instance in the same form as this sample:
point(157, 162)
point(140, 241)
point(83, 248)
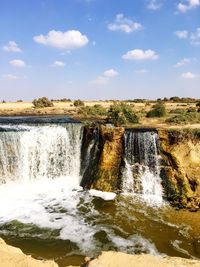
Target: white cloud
point(181, 34)
point(183, 62)
point(195, 37)
point(11, 47)
point(142, 71)
point(18, 63)
point(10, 77)
point(154, 5)
point(124, 24)
point(63, 40)
point(58, 64)
point(110, 73)
point(139, 54)
point(188, 75)
point(105, 77)
point(186, 5)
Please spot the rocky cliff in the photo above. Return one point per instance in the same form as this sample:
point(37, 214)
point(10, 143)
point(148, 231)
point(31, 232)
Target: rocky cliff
point(180, 173)
point(103, 162)
point(102, 152)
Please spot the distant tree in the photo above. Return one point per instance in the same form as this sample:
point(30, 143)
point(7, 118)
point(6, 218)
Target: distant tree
point(165, 99)
point(120, 113)
point(19, 100)
point(158, 110)
point(42, 102)
point(78, 103)
point(198, 104)
point(175, 99)
point(3, 101)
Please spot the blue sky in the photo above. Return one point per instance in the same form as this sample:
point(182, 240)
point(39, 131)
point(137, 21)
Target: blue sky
point(99, 49)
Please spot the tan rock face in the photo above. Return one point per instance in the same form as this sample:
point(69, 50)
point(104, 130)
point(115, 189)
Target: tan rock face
point(14, 257)
point(110, 159)
point(118, 259)
point(180, 167)
point(181, 151)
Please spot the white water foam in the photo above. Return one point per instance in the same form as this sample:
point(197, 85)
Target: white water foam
point(141, 174)
point(40, 186)
point(104, 195)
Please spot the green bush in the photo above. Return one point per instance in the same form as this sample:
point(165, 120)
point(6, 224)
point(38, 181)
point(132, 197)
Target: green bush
point(120, 113)
point(185, 118)
point(78, 103)
point(198, 104)
point(42, 102)
point(158, 110)
point(96, 110)
point(176, 111)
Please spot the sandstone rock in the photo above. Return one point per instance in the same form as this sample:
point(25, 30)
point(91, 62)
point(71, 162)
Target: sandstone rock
point(14, 257)
point(118, 259)
point(181, 174)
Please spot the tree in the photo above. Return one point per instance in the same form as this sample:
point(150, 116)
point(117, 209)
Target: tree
point(158, 110)
point(120, 113)
point(198, 104)
point(78, 103)
point(42, 102)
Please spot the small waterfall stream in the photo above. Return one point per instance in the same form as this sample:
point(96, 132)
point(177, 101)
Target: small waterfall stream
point(142, 173)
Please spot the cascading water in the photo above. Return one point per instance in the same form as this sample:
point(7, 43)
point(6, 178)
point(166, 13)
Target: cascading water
point(142, 173)
point(44, 211)
point(40, 176)
point(36, 152)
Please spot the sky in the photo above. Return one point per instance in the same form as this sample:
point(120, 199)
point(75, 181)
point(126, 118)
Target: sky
point(99, 49)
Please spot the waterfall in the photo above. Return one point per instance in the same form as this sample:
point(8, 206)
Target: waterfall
point(34, 152)
point(142, 173)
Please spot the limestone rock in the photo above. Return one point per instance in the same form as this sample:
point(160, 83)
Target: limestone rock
point(14, 257)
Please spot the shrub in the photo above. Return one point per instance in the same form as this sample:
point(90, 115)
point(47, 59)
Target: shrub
point(96, 110)
point(185, 118)
point(198, 104)
point(176, 111)
point(120, 113)
point(158, 110)
point(78, 103)
point(42, 102)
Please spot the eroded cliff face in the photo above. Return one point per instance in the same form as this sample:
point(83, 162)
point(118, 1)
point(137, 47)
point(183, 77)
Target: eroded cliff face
point(102, 152)
point(180, 173)
point(108, 175)
point(103, 163)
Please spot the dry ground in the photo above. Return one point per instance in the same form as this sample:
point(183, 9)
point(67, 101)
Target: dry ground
point(67, 108)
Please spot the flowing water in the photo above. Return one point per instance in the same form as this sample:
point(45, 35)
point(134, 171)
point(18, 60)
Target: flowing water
point(45, 212)
point(142, 172)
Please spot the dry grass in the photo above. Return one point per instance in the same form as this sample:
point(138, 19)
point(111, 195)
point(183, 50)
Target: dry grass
point(67, 108)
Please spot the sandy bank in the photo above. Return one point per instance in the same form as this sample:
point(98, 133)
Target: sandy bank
point(118, 259)
point(14, 257)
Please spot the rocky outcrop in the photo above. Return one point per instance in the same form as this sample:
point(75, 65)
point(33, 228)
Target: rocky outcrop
point(103, 162)
point(14, 257)
point(180, 172)
point(102, 152)
point(118, 259)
